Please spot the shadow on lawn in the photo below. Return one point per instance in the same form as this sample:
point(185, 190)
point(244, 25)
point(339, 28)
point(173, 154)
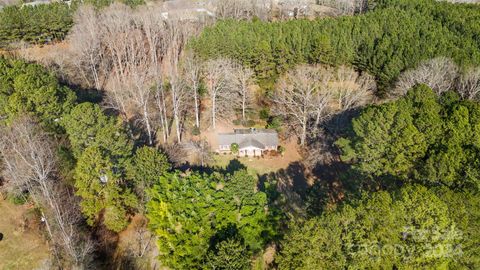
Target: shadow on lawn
point(233, 166)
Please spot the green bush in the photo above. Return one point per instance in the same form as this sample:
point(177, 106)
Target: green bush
point(264, 114)
point(420, 138)
point(275, 123)
point(17, 199)
point(196, 131)
point(234, 148)
point(237, 122)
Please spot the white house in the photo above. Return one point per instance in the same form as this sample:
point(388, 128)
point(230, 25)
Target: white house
point(251, 142)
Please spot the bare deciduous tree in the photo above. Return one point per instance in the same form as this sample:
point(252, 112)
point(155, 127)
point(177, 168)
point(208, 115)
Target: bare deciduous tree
point(178, 91)
point(217, 81)
point(85, 41)
point(176, 153)
point(346, 7)
point(202, 151)
point(469, 84)
point(297, 98)
point(154, 29)
point(117, 26)
point(139, 52)
point(176, 39)
point(140, 92)
point(30, 165)
point(438, 73)
point(242, 81)
point(350, 89)
point(243, 9)
point(192, 73)
point(309, 94)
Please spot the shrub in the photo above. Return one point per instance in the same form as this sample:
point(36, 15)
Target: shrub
point(196, 131)
point(234, 148)
point(275, 123)
point(17, 199)
point(249, 123)
point(264, 114)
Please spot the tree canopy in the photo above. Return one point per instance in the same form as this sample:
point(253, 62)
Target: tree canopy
point(35, 24)
point(87, 125)
point(191, 213)
point(414, 227)
point(373, 42)
point(99, 183)
point(103, 149)
point(421, 137)
point(30, 89)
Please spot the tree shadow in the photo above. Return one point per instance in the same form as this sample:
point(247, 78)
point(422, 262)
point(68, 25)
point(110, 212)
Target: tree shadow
point(107, 242)
point(285, 189)
point(328, 187)
point(233, 166)
point(228, 232)
point(332, 179)
point(293, 178)
point(83, 94)
point(340, 124)
point(137, 131)
point(187, 166)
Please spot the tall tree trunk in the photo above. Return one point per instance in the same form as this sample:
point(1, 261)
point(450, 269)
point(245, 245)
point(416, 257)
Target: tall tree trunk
point(243, 106)
point(177, 126)
point(95, 73)
point(167, 129)
point(214, 111)
point(147, 123)
point(197, 109)
point(163, 121)
point(304, 131)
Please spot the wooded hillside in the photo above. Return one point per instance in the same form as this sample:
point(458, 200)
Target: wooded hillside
point(241, 136)
point(395, 36)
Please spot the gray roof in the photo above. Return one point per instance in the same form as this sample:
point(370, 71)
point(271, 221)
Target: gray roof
point(251, 142)
point(259, 138)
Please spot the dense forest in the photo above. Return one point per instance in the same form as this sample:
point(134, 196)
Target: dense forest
point(37, 24)
point(395, 36)
point(42, 24)
point(107, 139)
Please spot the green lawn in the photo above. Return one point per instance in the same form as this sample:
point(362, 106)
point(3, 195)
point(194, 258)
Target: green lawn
point(255, 166)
